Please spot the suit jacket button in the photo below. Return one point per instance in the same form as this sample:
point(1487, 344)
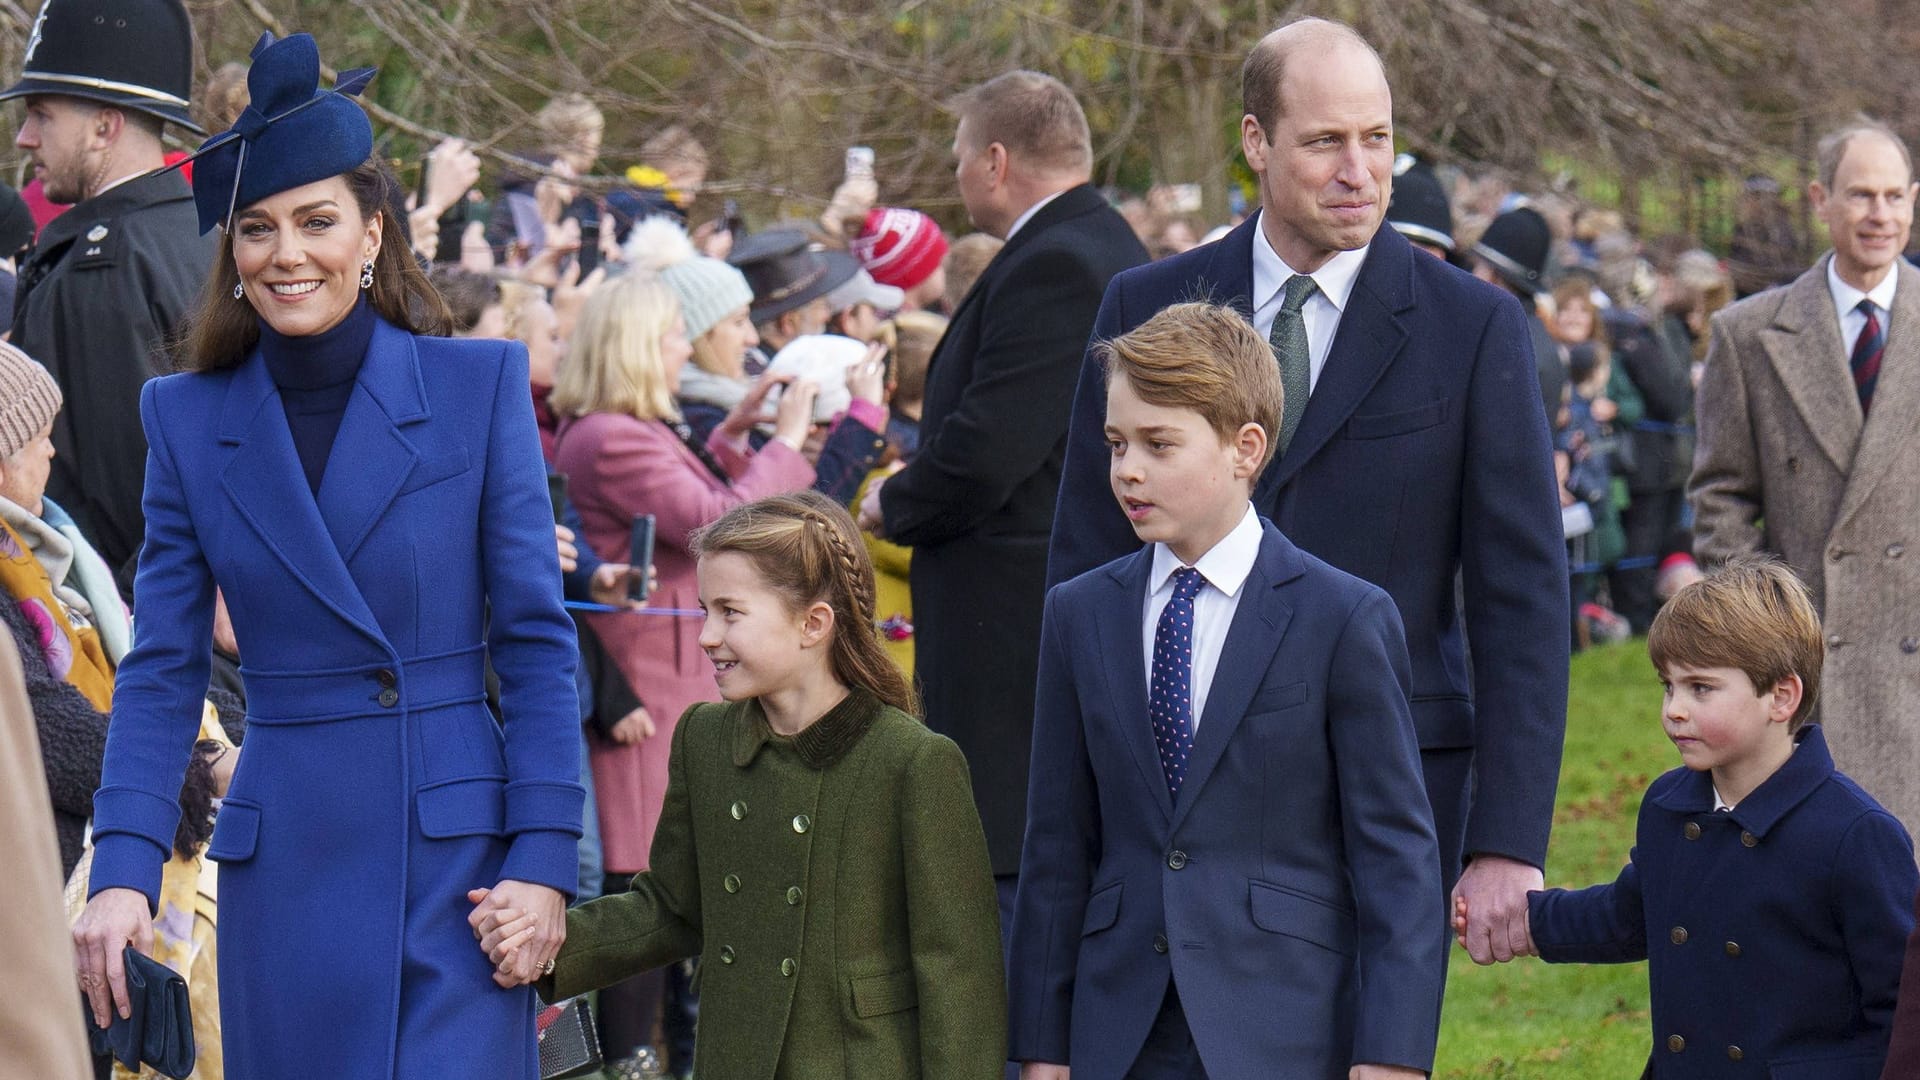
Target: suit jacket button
point(801, 823)
point(1733, 948)
point(793, 895)
point(1747, 839)
point(788, 967)
point(726, 954)
point(739, 811)
point(1678, 935)
point(384, 677)
point(389, 697)
point(1691, 831)
point(1734, 1053)
point(1676, 1044)
point(1160, 943)
point(1176, 860)
point(731, 883)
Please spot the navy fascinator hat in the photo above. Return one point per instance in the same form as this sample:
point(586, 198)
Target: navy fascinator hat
point(293, 132)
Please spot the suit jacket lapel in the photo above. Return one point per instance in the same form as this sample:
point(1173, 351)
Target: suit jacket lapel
point(1889, 431)
point(1259, 622)
point(1117, 620)
point(1368, 339)
point(371, 458)
point(1805, 349)
point(265, 482)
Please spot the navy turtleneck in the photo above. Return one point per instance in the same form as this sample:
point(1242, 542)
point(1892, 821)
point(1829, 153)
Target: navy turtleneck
point(315, 375)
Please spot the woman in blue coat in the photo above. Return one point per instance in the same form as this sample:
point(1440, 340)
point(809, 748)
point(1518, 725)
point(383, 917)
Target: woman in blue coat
point(371, 503)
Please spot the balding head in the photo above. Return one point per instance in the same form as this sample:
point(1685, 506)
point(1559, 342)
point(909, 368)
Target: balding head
point(1262, 78)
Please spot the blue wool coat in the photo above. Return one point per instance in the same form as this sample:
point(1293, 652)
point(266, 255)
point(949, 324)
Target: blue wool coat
point(375, 788)
point(1773, 932)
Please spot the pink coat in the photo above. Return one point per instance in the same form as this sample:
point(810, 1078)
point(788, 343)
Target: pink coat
point(618, 466)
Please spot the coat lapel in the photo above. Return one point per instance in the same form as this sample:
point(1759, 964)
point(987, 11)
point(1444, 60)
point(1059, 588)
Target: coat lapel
point(1889, 432)
point(265, 482)
point(1804, 346)
point(1118, 623)
point(1369, 337)
point(1228, 276)
point(371, 457)
point(1259, 622)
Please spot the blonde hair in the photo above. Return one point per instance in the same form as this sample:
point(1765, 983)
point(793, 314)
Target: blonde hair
point(568, 123)
point(1206, 358)
point(613, 362)
point(1752, 614)
point(806, 548)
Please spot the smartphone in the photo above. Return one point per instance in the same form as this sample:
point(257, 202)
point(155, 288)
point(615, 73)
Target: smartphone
point(640, 557)
point(589, 253)
point(557, 494)
point(860, 161)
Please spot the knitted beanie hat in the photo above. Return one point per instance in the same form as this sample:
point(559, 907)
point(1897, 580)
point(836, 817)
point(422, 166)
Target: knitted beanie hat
point(900, 247)
point(709, 289)
point(29, 399)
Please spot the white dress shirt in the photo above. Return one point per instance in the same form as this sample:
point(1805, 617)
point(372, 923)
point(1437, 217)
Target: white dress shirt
point(1846, 299)
point(1225, 567)
point(1030, 211)
point(1322, 314)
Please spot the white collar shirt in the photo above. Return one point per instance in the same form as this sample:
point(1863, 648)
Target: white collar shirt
point(1846, 303)
point(1021, 221)
point(1334, 281)
point(1225, 567)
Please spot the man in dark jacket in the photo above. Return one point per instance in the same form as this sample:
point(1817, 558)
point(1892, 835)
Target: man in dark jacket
point(112, 277)
point(976, 502)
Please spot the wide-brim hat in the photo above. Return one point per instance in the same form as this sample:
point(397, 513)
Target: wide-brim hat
point(131, 54)
point(1516, 245)
point(291, 133)
point(1419, 209)
point(787, 273)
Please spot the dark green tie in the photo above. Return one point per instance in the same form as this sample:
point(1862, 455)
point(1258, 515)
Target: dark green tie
point(1289, 341)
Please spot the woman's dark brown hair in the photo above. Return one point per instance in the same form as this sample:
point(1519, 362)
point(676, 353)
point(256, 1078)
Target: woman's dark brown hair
point(221, 331)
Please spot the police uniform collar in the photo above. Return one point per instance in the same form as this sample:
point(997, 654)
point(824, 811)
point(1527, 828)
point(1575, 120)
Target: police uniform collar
point(138, 193)
point(823, 743)
point(1805, 770)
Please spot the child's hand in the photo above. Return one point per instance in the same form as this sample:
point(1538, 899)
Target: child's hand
point(1385, 1072)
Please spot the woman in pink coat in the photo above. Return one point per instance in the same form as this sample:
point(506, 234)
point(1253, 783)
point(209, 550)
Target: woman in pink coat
point(625, 451)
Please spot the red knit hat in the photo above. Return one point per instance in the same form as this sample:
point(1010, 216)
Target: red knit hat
point(900, 247)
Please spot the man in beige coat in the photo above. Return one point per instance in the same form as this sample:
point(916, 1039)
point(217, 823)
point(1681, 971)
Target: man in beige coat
point(1809, 447)
point(40, 1033)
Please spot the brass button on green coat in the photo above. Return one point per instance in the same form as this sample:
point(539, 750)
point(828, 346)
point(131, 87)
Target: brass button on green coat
point(788, 967)
point(739, 811)
point(726, 954)
point(801, 823)
point(732, 883)
point(793, 895)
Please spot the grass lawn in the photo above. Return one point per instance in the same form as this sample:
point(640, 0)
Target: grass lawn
point(1538, 1021)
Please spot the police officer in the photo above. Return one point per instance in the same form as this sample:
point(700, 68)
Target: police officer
point(112, 276)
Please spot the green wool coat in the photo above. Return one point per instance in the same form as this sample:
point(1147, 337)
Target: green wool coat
point(836, 887)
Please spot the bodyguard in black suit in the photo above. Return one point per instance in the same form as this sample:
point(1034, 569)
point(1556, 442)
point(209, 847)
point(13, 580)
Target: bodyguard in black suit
point(976, 503)
point(1422, 456)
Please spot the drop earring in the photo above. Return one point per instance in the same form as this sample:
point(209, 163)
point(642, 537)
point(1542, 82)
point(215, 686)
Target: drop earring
point(239, 293)
point(366, 274)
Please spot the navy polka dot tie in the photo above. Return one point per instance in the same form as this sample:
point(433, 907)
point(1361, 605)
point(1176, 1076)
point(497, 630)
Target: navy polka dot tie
point(1170, 684)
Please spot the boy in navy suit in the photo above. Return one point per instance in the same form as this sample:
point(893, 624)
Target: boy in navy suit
point(1770, 895)
point(1230, 859)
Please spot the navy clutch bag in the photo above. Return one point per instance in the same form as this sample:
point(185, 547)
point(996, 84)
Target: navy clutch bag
point(160, 1030)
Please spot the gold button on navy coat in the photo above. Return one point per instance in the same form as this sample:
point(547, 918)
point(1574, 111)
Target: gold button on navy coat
point(865, 945)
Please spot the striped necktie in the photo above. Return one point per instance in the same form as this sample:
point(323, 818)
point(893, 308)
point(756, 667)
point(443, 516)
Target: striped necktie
point(1867, 351)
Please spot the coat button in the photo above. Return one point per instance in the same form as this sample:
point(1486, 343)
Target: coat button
point(1747, 839)
point(1733, 948)
point(389, 697)
point(1678, 935)
point(739, 811)
point(801, 823)
point(1833, 641)
point(1793, 464)
point(732, 883)
point(793, 895)
point(788, 967)
point(726, 954)
point(1176, 860)
point(1909, 645)
point(1692, 830)
point(1836, 555)
point(1160, 943)
point(1734, 1053)
point(1676, 1044)
point(384, 677)
point(1894, 551)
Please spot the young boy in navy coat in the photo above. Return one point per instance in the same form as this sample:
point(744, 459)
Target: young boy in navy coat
point(1770, 895)
point(1230, 861)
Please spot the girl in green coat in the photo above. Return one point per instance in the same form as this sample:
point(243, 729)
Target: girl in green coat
point(819, 851)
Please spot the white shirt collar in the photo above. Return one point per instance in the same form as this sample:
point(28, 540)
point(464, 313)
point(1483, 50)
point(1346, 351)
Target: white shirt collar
point(1225, 565)
point(1846, 297)
point(1032, 210)
point(1335, 277)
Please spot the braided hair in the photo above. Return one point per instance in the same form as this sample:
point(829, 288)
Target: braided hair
point(806, 547)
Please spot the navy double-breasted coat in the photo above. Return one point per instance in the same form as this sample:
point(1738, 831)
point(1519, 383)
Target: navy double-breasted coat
point(375, 788)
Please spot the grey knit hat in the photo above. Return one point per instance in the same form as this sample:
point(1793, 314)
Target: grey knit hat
point(29, 399)
point(709, 289)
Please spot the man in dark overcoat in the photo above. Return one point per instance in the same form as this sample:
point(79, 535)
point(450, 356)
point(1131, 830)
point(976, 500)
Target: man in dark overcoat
point(111, 278)
point(976, 502)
